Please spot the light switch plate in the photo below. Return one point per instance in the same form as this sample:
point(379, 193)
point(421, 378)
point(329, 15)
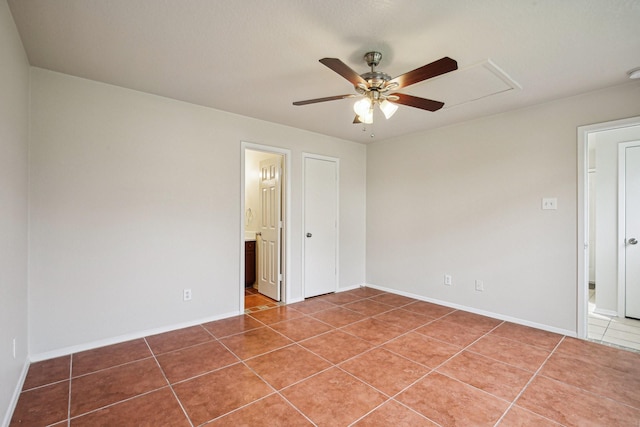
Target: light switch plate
point(550, 203)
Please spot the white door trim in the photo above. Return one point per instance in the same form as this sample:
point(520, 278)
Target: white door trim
point(583, 213)
point(622, 283)
point(303, 237)
point(286, 235)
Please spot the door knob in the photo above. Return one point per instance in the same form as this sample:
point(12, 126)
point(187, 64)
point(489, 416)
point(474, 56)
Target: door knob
point(309, 234)
point(632, 241)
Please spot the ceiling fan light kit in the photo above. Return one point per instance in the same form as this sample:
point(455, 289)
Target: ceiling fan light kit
point(375, 86)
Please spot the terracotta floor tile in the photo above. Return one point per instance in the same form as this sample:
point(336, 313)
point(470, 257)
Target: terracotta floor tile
point(393, 299)
point(112, 355)
point(384, 370)
point(233, 325)
point(48, 372)
point(255, 342)
point(368, 307)
point(272, 411)
point(338, 316)
point(153, 409)
point(394, 414)
point(312, 305)
point(275, 315)
point(451, 332)
point(404, 319)
point(112, 385)
point(527, 335)
point(336, 346)
point(599, 380)
point(42, 406)
point(588, 352)
point(452, 403)
point(421, 349)
point(286, 366)
point(428, 309)
point(191, 361)
point(572, 406)
point(174, 340)
point(338, 398)
point(472, 320)
point(341, 298)
point(512, 352)
point(212, 395)
point(519, 417)
point(373, 331)
point(301, 328)
point(501, 380)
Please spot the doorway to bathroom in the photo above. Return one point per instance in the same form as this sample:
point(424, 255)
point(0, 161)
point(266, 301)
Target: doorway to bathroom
point(264, 217)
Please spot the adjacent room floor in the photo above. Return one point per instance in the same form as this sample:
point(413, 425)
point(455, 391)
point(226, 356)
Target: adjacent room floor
point(618, 331)
point(255, 301)
point(362, 357)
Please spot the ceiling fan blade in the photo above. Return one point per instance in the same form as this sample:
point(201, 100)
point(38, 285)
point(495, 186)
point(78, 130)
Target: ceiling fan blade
point(414, 101)
point(328, 98)
point(344, 70)
point(436, 68)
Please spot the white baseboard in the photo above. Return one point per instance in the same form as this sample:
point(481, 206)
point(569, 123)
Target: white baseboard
point(498, 316)
point(605, 312)
point(16, 395)
point(350, 288)
point(123, 338)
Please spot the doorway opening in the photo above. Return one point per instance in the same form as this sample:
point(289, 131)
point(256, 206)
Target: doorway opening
point(602, 243)
point(264, 217)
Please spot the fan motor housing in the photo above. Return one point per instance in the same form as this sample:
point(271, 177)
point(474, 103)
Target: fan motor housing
point(376, 78)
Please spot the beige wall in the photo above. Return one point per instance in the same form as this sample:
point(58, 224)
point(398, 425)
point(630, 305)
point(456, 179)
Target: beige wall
point(135, 197)
point(465, 200)
point(14, 115)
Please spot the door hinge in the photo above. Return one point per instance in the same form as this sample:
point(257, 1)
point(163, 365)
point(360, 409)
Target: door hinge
point(280, 224)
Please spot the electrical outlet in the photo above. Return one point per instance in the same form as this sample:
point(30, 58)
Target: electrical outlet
point(479, 286)
point(447, 279)
point(186, 295)
point(550, 203)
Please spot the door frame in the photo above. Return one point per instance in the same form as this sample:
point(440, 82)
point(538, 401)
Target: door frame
point(622, 262)
point(285, 250)
point(583, 214)
point(303, 237)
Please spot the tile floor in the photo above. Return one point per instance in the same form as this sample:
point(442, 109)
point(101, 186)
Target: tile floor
point(618, 331)
point(254, 301)
point(362, 357)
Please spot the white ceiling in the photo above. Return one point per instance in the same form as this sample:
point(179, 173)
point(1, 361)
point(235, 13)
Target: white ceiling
point(255, 57)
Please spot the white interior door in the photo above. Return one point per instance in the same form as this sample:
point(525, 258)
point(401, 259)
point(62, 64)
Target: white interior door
point(269, 276)
point(632, 231)
point(320, 226)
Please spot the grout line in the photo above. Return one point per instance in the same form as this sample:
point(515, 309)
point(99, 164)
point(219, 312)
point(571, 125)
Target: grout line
point(184, 411)
point(513, 402)
point(109, 405)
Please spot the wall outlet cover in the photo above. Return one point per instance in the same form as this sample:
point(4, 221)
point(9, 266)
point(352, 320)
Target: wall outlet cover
point(550, 203)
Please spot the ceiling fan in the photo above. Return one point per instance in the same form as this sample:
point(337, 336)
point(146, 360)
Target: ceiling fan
point(375, 86)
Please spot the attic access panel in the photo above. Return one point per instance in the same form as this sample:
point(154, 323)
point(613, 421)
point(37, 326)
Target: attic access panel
point(468, 84)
